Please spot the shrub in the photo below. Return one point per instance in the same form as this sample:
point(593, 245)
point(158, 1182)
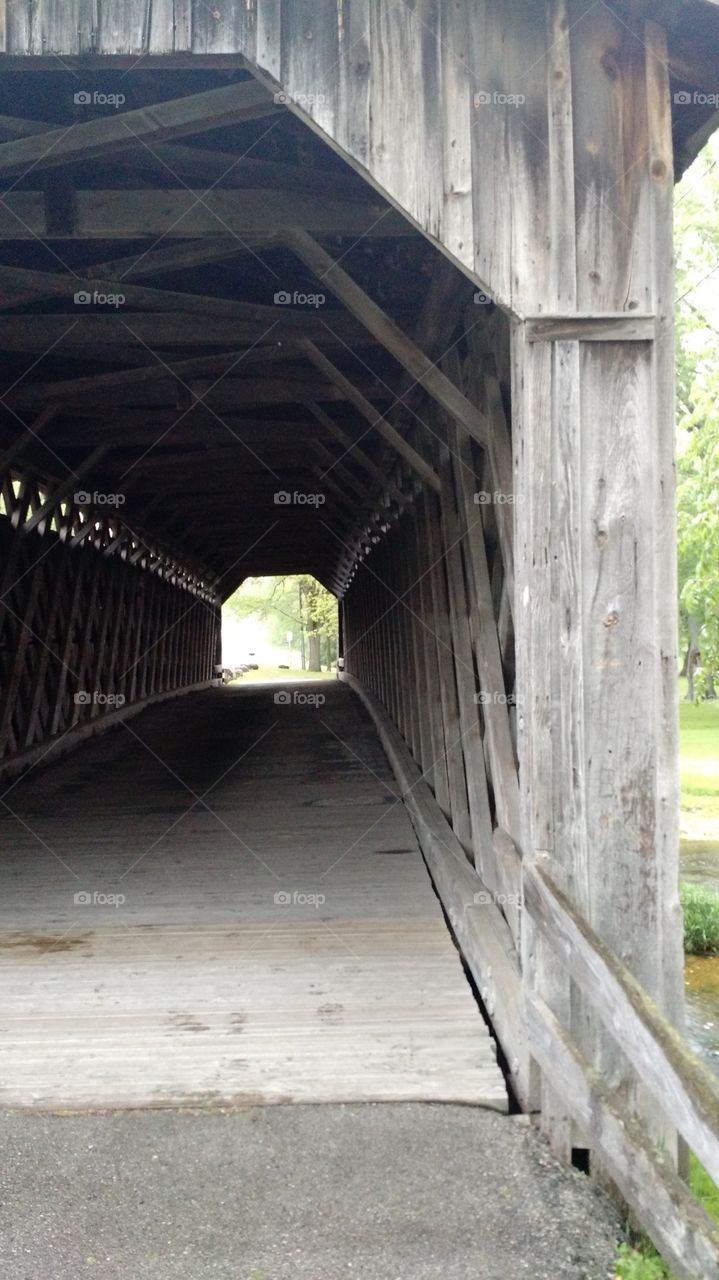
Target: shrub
point(640, 1260)
point(642, 1263)
point(701, 919)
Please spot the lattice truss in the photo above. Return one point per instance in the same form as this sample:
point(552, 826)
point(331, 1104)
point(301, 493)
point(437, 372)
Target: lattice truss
point(428, 618)
point(93, 615)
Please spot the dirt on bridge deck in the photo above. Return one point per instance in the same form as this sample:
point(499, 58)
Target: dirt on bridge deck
point(223, 902)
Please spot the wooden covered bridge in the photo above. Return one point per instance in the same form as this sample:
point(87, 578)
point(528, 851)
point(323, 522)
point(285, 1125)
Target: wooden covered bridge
point(381, 293)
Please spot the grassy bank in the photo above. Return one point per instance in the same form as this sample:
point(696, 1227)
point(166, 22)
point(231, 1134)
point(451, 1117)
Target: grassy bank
point(699, 770)
point(640, 1260)
point(699, 777)
point(273, 675)
point(701, 920)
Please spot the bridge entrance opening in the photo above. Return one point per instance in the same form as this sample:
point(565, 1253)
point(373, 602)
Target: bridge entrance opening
point(267, 313)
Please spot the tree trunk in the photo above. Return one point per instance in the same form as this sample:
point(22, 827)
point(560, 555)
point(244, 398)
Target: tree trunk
point(693, 656)
point(314, 652)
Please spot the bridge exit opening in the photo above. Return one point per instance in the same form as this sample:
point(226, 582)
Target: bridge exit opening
point(280, 628)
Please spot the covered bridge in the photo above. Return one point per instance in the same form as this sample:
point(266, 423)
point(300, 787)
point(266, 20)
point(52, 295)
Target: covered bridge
point(381, 293)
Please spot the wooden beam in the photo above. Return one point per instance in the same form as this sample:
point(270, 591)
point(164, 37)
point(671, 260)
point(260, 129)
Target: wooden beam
point(198, 427)
point(178, 118)
point(618, 326)
point(483, 628)
point(19, 286)
point(229, 393)
point(220, 167)
point(211, 165)
point(158, 331)
point(379, 424)
point(176, 257)
point(30, 436)
point(161, 371)
point(332, 466)
point(352, 447)
point(384, 329)
point(121, 214)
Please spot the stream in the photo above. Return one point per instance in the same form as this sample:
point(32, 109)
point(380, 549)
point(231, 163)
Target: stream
point(700, 865)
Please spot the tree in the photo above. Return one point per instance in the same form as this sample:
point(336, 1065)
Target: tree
point(697, 323)
point(299, 604)
point(319, 610)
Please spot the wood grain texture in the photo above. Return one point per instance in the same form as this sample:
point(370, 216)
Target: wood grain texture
point(687, 1236)
point(679, 1081)
point(202, 987)
point(480, 929)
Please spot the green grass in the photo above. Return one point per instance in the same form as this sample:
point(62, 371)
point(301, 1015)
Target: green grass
point(701, 919)
point(640, 1260)
point(699, 755)
point(271, 674)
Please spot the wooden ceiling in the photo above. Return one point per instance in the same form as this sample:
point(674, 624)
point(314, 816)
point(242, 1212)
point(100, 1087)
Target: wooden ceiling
point(199, 296)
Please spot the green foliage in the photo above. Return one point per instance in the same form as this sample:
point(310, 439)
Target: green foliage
point(640, 1260)
point(697, 243)
point(700, 905)
point(705, 1189)
point(640, 1263)
point(298, 604)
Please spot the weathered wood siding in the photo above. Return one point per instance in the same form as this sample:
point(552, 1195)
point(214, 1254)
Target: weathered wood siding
point(414, 95)
point(532, 142)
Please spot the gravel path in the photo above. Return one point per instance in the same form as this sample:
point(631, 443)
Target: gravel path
point(376, 1192)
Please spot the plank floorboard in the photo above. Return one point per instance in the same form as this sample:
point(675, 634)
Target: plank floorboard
point(275, 938)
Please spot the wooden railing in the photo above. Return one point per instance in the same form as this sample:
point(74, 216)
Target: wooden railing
point(681, 1084)
point(489, 926)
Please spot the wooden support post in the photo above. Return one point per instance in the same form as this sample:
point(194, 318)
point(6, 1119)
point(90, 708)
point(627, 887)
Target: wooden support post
point(447, 680)
point(480, 819)
point(595, 605)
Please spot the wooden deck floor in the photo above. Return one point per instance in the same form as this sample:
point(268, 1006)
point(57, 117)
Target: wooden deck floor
point(276, 937)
